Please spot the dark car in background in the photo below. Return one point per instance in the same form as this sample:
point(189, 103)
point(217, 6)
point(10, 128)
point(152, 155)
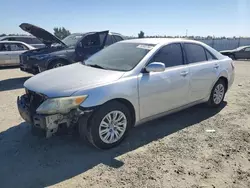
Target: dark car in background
point(31, 40)
point(74, 48)
point(242, 52)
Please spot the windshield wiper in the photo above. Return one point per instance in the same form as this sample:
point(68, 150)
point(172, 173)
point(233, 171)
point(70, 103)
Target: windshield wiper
point(96, 66)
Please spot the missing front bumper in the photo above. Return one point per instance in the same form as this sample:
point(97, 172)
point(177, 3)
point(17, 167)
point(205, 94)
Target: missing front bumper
point(47, 123)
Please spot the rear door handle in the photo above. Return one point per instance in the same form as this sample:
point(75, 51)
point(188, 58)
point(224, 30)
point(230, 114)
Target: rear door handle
point(216, 66)
point(184, 73)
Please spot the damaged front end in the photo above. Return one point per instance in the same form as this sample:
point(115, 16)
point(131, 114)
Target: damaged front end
point(28, 105)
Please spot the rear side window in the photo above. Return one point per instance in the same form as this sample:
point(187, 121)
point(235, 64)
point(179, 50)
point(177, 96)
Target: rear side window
point(12, 47)
point(195, 53)
point(109, 40)
point(210, 57)
point(11, 39)
point(117, 38)
point(35, 41)
point(17, 47)
point(171, 55)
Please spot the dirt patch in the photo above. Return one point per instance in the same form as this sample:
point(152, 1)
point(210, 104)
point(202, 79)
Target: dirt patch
point(174, 151)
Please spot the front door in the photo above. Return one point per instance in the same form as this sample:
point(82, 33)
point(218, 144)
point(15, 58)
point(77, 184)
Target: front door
point(203, 68)
point(91, 44)
point(163, 91)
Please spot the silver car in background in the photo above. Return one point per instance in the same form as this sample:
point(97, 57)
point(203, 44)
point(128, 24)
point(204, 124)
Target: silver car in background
point(10, 51)
point(31, 40)
point(126, 84)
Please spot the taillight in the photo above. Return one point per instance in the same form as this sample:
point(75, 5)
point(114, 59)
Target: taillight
point(232, 64)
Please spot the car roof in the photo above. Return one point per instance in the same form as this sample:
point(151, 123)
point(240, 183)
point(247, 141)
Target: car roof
point(17, 36)
point(159, 40)
point(6, 41)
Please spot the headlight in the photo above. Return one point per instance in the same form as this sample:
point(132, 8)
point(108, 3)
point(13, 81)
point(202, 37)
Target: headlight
point(60, 105)
point(40, 57)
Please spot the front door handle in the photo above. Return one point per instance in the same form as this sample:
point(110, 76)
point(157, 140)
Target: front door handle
point(184, 73)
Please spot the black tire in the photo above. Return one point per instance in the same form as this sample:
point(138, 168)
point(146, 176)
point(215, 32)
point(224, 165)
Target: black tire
point(56, 64)
point(212, 101)
point(91, 132)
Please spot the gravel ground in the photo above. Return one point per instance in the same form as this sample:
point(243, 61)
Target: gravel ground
point(174, 151)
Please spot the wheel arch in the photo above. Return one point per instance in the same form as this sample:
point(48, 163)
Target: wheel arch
point(225, 81)
point(57, 59)
point(128, 104)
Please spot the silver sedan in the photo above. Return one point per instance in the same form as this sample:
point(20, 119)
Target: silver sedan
point(124, 85)
point(10, 51)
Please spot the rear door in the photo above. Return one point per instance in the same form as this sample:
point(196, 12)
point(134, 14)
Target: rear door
point(90, 44)
point(15, 50)
point(203, 69)
point(4, 54)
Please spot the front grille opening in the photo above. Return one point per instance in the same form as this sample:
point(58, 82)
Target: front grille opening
point(35, 99)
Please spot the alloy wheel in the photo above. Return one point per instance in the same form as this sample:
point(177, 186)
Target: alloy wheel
point(113, 127)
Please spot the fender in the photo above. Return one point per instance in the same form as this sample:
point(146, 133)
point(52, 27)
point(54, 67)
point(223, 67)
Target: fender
point(63, 58)
point(124, 88)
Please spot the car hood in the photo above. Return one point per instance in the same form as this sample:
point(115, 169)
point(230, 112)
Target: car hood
point(44, 36)
point(65, 81)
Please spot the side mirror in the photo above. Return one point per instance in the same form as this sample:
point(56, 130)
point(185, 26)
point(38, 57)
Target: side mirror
point(155, 67)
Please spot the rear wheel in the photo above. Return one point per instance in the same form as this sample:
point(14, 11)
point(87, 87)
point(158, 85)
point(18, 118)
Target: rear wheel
point(217, 94)
point(108, 126)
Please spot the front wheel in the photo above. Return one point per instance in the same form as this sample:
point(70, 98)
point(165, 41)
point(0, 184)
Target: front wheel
point(217, 94)
point(108, 126)
point(57, 64)
point(232, 57)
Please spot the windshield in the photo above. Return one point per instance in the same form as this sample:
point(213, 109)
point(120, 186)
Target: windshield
point(120, 56)
point(71, 40)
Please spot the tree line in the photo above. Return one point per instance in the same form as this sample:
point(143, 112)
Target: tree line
point(61, 33)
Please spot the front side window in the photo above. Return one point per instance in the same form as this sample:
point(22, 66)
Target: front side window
point(91, 40)
point(120, 56)
point(195, 53)
point(171, 55)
